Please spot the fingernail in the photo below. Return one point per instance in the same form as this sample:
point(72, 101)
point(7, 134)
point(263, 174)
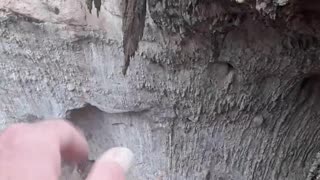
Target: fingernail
point(120, 155)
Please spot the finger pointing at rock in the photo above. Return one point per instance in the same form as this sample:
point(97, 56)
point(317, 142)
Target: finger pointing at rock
point(112, 165)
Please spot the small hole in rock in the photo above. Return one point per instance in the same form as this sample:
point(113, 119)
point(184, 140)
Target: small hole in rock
point(87, 118)
point(56, 10)
point(87, 112)
point(310, 81)
point(208, 176)
point(310, 87)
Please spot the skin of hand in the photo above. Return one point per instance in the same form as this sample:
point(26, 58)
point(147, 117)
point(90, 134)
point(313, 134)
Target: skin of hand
point(35, 151)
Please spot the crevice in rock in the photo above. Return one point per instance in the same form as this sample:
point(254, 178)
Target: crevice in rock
point(310, 87)
point(88, 118)
point(88, 111)
point(105, 130)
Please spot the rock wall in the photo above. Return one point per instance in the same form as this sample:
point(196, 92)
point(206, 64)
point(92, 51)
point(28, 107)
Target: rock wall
point(236, 103)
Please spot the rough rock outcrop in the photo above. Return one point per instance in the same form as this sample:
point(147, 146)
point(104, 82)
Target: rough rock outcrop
point(216, 89)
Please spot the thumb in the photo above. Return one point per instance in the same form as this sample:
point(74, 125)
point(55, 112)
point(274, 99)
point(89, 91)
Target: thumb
point(112, 165)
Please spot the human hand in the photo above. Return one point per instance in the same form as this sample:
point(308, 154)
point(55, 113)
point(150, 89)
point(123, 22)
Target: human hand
point(35, 151)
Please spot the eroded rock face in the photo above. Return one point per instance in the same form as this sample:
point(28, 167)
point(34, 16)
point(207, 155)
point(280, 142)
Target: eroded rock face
point(71, 13)
point(240, 102)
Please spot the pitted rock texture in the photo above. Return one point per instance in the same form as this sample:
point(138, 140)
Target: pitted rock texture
point(238, 100)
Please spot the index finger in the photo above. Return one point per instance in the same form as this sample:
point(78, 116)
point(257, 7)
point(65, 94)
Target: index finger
point(72, 143)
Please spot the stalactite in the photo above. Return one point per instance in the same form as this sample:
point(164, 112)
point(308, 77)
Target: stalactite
point(133, 26)
point(97, 5)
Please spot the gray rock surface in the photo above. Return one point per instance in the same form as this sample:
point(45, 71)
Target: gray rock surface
point(237, 104)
